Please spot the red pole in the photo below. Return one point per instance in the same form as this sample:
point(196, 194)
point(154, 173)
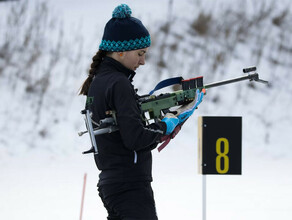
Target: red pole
point(83, 194)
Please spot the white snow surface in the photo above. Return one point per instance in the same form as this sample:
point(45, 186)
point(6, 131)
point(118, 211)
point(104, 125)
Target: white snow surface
point(43, 178)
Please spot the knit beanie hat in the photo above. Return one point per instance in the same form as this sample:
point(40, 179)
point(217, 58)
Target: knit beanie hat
point(123, 32)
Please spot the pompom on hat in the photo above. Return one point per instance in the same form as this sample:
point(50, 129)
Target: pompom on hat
point(124, 32)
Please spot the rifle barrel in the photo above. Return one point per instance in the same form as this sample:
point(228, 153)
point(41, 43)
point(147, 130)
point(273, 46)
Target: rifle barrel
point(251, 77)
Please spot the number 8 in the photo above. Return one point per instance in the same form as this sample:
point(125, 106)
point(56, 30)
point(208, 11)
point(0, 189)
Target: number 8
point(222, 155)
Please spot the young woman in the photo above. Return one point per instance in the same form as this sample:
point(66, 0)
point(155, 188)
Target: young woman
point(124, 157)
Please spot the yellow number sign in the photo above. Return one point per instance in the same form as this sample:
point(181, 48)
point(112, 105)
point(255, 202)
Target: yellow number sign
point(219, 145)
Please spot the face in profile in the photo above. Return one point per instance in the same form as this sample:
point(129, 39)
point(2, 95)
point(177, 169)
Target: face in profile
point(134, 58)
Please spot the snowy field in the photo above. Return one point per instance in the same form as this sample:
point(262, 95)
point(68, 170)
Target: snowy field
point(43, 185)
point(40, 183)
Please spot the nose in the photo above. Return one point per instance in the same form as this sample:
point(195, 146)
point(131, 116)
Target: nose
point(142, 60)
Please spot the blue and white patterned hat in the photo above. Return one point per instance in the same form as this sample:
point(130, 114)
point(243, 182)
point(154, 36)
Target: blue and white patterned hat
point(123, 32)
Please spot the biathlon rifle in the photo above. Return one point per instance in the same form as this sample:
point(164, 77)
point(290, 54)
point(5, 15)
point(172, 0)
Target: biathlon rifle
point(157, 106)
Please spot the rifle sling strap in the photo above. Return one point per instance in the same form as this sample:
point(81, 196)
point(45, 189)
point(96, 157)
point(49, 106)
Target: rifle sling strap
point(166, 83)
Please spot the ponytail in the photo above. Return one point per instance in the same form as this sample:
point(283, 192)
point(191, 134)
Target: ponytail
point(97, 59)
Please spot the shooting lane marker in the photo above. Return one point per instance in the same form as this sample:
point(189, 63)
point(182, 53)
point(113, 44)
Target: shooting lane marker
point(219, 149)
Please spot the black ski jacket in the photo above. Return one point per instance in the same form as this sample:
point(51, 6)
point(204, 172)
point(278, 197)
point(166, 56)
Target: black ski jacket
point(124, 155)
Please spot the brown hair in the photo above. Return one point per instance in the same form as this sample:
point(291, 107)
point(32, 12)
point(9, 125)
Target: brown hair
point(97, 59)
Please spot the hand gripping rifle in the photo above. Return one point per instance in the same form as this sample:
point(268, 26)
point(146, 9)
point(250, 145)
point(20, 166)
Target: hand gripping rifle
point(157, 106)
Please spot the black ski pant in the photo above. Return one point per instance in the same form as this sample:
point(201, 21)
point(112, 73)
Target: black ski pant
point(128, 201)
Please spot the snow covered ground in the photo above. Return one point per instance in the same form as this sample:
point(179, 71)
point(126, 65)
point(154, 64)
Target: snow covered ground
point(43, 185)
point(46, 183)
